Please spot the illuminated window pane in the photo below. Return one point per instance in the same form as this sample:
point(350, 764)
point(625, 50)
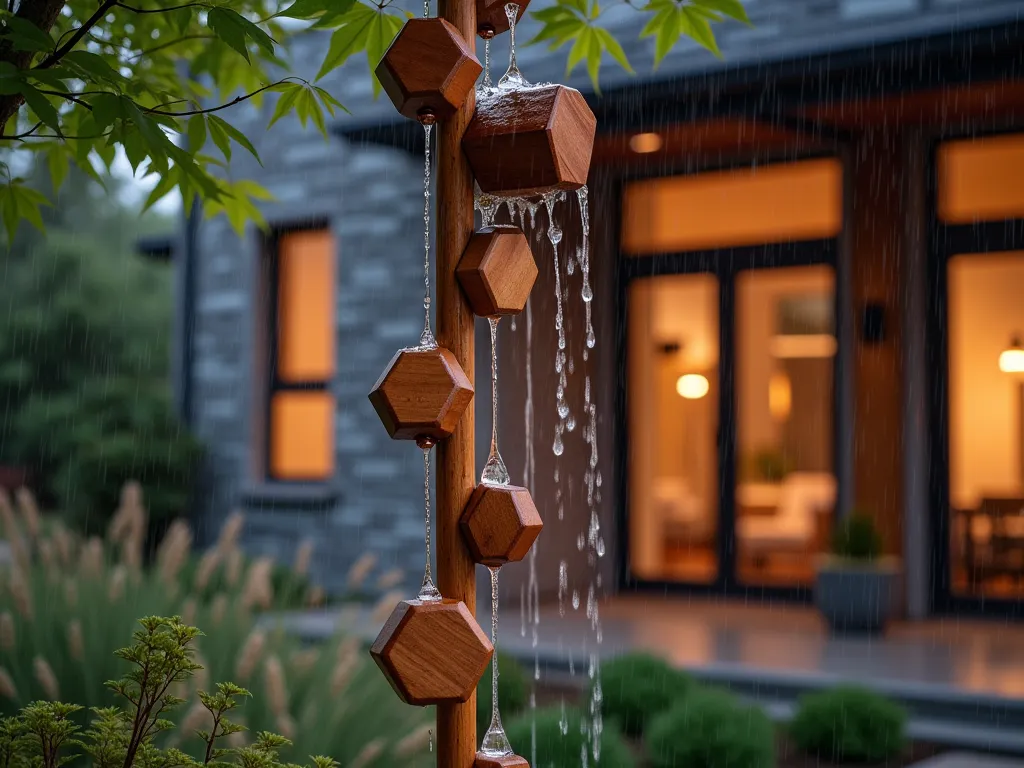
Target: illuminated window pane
point(302, 435)
point(786, 485)
point(763, 204)
point(305, 306)
point(673, 427)
point(986, 425)
point(982, 180)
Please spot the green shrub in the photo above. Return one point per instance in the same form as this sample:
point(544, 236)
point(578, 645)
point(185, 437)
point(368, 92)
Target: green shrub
point(68, 603)
point(849, 724)
point(857, 538)
point(563, 735)
point(711, 729)
point(637, 686)
point(513, 692)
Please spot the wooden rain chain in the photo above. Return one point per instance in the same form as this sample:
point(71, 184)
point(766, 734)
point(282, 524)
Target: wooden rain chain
point(519, 140)
point(431, 649)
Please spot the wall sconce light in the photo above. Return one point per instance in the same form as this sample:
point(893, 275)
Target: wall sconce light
point(1011, 360)
point(692, 386)
point(645, 143)
point(780, 396)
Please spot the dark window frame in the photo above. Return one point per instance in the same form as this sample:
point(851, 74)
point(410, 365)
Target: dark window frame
point(725, 264)
point(944, 242)
point(274, 384)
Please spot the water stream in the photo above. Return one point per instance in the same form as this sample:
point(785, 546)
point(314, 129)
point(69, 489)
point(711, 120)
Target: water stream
point(428, 592)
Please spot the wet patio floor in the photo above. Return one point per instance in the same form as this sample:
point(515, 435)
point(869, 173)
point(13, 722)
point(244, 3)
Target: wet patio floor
point(962, 680)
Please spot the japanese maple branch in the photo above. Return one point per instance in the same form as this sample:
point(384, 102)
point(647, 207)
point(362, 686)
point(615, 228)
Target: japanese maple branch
point(233, 102)
point(81, 32)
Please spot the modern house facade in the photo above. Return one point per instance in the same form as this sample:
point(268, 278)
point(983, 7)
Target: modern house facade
point(808, 268)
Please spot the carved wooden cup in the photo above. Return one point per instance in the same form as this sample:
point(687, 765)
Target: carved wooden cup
point(497, 271)
point(528, 141)
point(422, 394)
point(432, 653)
point(491, 18)
point(500, 524)
point(512, 761)
point(428, 70)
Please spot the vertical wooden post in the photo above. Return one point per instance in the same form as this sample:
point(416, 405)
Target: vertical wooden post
point(456, 462)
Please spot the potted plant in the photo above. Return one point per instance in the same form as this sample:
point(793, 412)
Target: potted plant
point(856, 589)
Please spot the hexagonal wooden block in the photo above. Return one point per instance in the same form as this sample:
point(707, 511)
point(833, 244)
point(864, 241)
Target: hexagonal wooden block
point(422, 394)
point(491, 17)
point(512, 761)
point(432, 653)
point(497, 271)
point(500, 524)
point(531, 140)
point(428, 67)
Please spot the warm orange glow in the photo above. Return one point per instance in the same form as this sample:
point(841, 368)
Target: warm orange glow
point(766, 204)
point(982, 179)
point(302, 436)
point(645, 143)
point(804, 345)
point(305, 306)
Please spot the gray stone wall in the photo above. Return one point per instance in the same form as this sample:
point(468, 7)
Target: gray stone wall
point(372, 199)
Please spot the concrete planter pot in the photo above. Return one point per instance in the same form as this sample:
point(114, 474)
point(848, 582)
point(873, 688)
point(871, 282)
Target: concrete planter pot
point(858, 597)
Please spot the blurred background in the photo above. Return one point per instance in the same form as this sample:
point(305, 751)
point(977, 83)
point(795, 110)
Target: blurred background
point(793, 454)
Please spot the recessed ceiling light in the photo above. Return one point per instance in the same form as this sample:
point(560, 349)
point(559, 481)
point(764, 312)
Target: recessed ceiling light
point(645, 143)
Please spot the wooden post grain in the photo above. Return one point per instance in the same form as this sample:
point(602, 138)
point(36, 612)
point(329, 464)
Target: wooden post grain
point(456, 464)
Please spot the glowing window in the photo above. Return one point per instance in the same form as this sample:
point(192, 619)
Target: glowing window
point(760, 204)
point(981, 179)
point(301, 418)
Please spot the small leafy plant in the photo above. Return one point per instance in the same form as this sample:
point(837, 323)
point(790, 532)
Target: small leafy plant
point(857, 538)
point(849, 724)
point(636, 687)
point(162, 656)
point(565, 739)
point(709, 729)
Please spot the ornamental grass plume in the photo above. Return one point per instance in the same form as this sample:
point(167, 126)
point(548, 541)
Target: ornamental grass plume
point(250, 656)
point(7, 688)
point(385, 605)
point(76, 644)
point(258, 591)
point(390, 579)
point(29, 511)
point(47, 680)
point(229, 533)
point(7, 637)
point(20, 593)
point(274, 683)
point(360, 570)
point(417, 741)
point(303, 558)
point(174, 551)
point(208, 564)
point(368, 754)
point(218, 608)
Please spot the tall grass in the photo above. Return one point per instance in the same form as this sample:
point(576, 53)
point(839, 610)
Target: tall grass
point(68, 602)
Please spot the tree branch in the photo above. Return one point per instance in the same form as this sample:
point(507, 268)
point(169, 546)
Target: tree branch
point(81, 32)
point(233, 102)
point(18, 137)
point(133, 9)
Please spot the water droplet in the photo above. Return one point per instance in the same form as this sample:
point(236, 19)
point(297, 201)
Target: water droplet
point(570, 423)
point(591, 339)
point(588, 292)
point(558, 447)
point(563, 409)
point(575, 600)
